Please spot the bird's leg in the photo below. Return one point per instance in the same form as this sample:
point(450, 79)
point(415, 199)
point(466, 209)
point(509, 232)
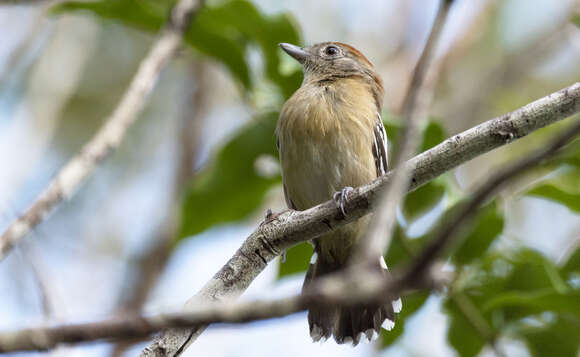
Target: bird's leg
point(341, 197)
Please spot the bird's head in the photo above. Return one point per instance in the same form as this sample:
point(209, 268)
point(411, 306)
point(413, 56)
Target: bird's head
point(333, 59)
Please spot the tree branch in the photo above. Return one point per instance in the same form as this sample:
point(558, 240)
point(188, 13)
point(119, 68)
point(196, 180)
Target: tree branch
point(292, 227)
point(103, 144)
point(149, 266)
point(343, 289)
point(444, 238)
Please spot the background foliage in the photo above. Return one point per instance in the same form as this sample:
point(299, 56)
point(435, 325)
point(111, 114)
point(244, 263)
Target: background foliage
point(503, 290)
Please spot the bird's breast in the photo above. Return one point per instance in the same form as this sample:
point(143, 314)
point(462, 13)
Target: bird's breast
point(326, 135)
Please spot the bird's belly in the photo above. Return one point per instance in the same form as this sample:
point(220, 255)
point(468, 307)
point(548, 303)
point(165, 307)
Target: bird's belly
point(315, 170)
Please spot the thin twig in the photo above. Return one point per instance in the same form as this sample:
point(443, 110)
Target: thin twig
point(102, 145)
point(292, 227)
point(150, 265)
point(382, 225)
point(344, 289)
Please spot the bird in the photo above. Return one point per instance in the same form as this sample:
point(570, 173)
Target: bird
point(330, 138)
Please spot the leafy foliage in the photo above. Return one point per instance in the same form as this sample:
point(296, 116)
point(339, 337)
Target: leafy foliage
point(478, 236)
point(552, 191)
point(422, 200)
point(510, 289)
point(563, 184)
point(297, 260)
point(557, 338)
point(224, 32)
point(231, 188)
point(461, 334)
point(563, 188)
point(576, 20)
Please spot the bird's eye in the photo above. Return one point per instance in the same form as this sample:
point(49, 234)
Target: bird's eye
point(331, 50)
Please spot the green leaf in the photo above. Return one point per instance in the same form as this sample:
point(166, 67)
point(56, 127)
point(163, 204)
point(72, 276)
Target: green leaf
point(422, 200)
point(393, 127)
point(557, 338)
point(515, 286)
point(572, 264)
point(402, 249)
point(266, 31)
point(222, 32)
point(297, 260)
point(485, 228)
point(535, 302)
point(134, 13)
point(510, 289)
point(533, 271)
point(576, 20)
point(570, 154)
point(411, 304)
point(553, 193)
point(461, 334)
point(563, 188)
point(433, 135)
point(230, 189)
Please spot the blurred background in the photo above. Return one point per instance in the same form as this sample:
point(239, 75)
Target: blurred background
point(196, 173)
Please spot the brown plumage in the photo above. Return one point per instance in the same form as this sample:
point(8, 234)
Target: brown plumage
point(330, 136)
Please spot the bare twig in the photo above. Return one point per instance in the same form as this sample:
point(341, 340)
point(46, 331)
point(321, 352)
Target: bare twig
point(292, 227)
point(383, 222)
point(342, 289)
point(80, 167)
point(150, 265)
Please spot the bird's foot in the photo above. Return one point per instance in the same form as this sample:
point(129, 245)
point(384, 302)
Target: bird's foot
point(269, 216)
point(341, 197)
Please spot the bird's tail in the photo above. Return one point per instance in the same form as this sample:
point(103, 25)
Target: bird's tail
point(347, 324)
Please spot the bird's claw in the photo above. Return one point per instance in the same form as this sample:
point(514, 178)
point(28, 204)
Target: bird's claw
point(269, 216)
point(341, 197)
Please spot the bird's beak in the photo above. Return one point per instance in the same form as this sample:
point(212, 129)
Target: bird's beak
point(298, 53)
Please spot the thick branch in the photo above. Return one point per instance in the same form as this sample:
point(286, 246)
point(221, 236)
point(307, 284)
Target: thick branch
point(103, 144)
point(344, 289)
point(292, 227)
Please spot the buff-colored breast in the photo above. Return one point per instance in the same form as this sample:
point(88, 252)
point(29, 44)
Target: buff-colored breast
point(326, 136)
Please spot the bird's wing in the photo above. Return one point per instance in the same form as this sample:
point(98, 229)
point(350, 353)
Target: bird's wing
point(289, 202)
point(380, 147)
